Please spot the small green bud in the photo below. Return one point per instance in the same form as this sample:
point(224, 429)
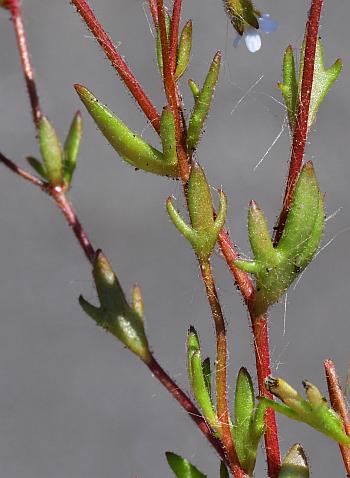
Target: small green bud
point(202, 104)
point(51, 151)
point(130, 147)
point(71, 148)
point(38, 167)
point(137, 300)
point(242, 14)
point(115, 314)
point(295, 464)
point(195, 90)
point(314, 411)
point(205, 230)
point(207, 374)
point(276, 268)
point(182, 467)
point(185, 46)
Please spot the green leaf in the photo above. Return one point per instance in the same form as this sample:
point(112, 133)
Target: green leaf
point(71, 148)
point(295, 464)
point(289, 87)
point(202, 105)
point(185, 46)
point(168, 137)
point(182, 467)
point(276, 268)
point(38, 167)
point(322, 81)
point(244, 414)
point(137, 300)
point(205, 231)
point(130, 147)
point(314, 411)
point(115, 314)
point(51, 152)
point(197, 378)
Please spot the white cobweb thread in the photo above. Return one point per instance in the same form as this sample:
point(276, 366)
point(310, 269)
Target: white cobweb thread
point(283, 127)
point(249, 90)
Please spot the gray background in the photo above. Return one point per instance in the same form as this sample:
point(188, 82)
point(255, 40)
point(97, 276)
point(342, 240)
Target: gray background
point(73, 402)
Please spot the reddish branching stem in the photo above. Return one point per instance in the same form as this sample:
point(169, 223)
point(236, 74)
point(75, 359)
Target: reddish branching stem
point(174, 34)
point(263, 368)
point(118, 63)
point(242, 279)
point(301, 124)
point(338, 403)
point(186, 404)
point(14, 6)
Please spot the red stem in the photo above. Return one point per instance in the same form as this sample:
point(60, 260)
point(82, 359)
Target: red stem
point(174, 34)
point(153, 9)
point(301, 124)
point(187, 404)
point(171, 94)
point(14, 6)
point(118, 63)
point(242, 279)
point(263, 368)
point(261, 349)
point(339, 405)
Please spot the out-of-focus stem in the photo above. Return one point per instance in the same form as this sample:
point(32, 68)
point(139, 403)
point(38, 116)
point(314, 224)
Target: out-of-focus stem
point(14, 6)
point(338, 403)
point(118, 63)
point(301, 123)
point(153, 9)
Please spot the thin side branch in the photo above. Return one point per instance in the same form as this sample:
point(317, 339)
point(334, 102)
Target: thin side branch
point(14, 6)
point(301, 124)
point(338, 403)
point(117, 62)
point(187, 405)
point(153, 9)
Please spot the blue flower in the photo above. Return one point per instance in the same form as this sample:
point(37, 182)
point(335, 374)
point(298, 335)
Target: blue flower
point(252, 36)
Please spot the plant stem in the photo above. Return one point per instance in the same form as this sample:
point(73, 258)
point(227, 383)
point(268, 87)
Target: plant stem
point(301, 123)
point(263, 368)
point(14, 6)
point(22, 173)
point(171, 94)
point(174, 34)
point(154, 12)
point(187, 405)
point(338, 403)
point(117, 62)
point(221, 365)
point(242, 279)
point(261, 349)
